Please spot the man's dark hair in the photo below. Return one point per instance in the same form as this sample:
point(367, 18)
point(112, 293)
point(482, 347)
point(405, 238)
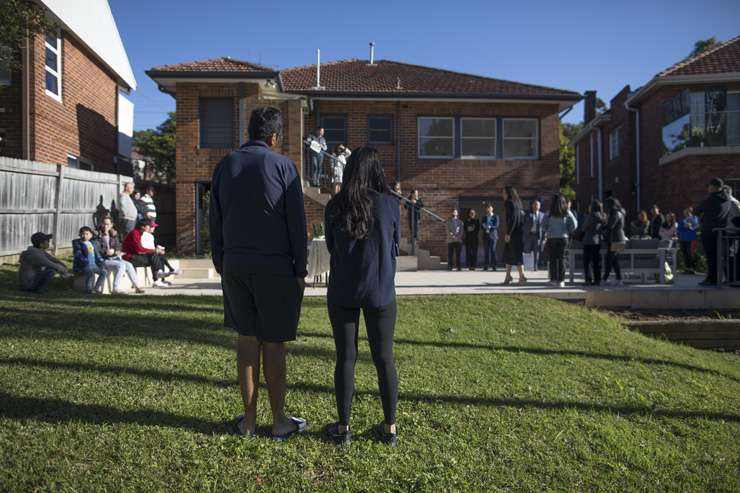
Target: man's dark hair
point(86, 228)
point(717, 183)
point(264, 122)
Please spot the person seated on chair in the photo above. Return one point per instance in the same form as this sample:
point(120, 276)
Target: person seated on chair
point(109, 246)
point(38, 266)
point(139, 255)
point(148, 241)
point(88, 261)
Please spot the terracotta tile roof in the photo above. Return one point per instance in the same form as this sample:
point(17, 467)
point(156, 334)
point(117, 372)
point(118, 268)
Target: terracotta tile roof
point(395, 78)
point(223, 64)
point(721, 59)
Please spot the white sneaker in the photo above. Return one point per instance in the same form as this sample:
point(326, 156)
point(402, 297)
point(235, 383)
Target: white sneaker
point(176, 272)
point(561, 284)
point(159, 283)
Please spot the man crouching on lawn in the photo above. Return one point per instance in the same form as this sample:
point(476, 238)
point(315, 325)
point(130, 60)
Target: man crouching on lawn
point(258, 243)
point(38, 266)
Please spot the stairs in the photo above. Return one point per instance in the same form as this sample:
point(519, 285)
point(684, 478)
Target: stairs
point(315, 194)
point(197, 268)
point(425, 260)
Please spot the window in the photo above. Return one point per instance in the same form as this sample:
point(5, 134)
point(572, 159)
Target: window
point(53, 65)
point(335, 130)
point(436, 137)
point(216, 123)
point(478, 138)
point(733, 119)
point(614, 143)
point(79, 163)
point(520, 138)
point(380, 129)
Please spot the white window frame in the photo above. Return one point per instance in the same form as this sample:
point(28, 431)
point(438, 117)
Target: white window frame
point(614, 142)
point(536, 140)
point(494, 138)
point(419, 137)
point(56, 73)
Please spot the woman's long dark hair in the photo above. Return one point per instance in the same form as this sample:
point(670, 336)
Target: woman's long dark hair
point(352, 207)
point(513, 196)
point(558, 207)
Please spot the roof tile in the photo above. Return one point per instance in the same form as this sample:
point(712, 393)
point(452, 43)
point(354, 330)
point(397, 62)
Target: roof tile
point(723, 58)
point(223, 64)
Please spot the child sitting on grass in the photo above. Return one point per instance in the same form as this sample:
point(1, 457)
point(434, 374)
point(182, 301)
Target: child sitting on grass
point(88, 260)
point(38, 266)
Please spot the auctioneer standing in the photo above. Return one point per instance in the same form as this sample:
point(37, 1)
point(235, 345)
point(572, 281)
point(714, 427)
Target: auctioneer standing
point(362, 234)
point(258, 240)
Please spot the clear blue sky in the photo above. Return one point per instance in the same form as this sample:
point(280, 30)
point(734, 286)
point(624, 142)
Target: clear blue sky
point(581, 45)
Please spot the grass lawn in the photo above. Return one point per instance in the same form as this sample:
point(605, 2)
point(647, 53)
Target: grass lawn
point(497, 393)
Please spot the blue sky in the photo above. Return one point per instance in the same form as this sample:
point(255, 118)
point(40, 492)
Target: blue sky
point(578, 45)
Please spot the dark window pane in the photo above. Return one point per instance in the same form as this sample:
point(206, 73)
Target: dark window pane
point(478, 147)
point(478, 127)
point(51, 60)
point(520, 128)
point(380, 129)
point(435, 147)
point(51, 38)
point(334, 129)
point(216, 122)
point(515, 148)
point(52, 83)
point(73, 162)
point(435, 127)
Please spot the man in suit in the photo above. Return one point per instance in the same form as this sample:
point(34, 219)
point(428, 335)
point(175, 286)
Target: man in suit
point(532, 231)
point(489, 223)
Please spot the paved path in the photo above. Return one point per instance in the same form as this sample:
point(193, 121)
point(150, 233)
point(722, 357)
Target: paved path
point(444, 282)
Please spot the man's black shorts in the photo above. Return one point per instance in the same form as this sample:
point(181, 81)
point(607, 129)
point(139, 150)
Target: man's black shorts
point(262, 305)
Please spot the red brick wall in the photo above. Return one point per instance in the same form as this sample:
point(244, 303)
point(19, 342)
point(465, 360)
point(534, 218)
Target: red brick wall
point(84, 124)
point(195, 164)
point(442, 183)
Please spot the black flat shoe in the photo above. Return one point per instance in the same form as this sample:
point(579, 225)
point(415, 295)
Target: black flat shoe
point(339, 437)
point(300, 427)
point(384, 436)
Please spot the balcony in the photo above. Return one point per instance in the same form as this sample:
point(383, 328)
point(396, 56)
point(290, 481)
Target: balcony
point(701, 134)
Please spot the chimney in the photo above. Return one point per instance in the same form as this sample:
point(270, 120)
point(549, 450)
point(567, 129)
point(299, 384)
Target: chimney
point(318, 69)
point(372, 53)
point(589, 106)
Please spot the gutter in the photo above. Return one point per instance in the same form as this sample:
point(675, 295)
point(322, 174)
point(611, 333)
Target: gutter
point(436, 96)
point(637, 152)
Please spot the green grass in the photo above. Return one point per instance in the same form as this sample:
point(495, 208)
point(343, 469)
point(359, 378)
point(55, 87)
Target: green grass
point(497, 393)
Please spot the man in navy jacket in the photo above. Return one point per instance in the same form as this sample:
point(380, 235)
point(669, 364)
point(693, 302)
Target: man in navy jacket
point(258, 244)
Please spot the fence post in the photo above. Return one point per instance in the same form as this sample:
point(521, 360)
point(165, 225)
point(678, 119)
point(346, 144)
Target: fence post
point(58, 206)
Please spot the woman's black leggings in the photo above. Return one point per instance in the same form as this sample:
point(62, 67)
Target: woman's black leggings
point(612, 262)
point(380, 323)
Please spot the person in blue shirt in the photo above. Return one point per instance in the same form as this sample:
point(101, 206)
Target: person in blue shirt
point(258, 245)
point(489, 224)
point(687, 227)
point(87, 260)
point(362, 235)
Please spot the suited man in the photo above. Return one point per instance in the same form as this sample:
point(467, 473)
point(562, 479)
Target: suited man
point(489, 224)
point(532, 231)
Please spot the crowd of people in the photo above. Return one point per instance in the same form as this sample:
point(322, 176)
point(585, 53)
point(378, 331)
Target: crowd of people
point(544, 237)
point(104, 250)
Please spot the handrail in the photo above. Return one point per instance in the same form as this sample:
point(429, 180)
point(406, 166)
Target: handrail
point(424, 209)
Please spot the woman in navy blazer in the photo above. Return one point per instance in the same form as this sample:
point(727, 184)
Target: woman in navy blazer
point(362, 234)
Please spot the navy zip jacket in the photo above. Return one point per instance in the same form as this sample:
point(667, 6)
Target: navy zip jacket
point(363, 271)
point(256, 214)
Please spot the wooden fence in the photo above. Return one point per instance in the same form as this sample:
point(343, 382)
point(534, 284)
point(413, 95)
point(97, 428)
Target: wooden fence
point(51, 198)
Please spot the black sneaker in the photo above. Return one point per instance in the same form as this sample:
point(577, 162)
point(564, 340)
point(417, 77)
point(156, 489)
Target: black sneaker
point(339, 437)
point(384, 436)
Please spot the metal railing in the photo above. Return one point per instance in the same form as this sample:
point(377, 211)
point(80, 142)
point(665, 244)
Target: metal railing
point(728, 256)
point(415, 209)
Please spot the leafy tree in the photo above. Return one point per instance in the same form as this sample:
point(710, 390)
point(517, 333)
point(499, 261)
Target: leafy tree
point(19, 19)
point(158, 147)
point(568, 159)
point(703, 45)
point(600, 105)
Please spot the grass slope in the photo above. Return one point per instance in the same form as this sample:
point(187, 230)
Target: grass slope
point(497, 394)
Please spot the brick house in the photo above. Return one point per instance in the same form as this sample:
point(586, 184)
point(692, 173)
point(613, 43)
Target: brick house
point(68, 103)
point(662, 143)
point(458, 138)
